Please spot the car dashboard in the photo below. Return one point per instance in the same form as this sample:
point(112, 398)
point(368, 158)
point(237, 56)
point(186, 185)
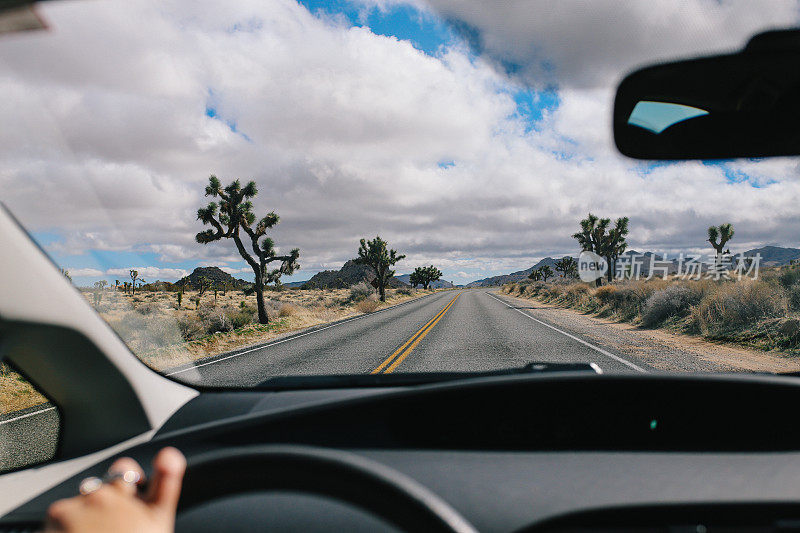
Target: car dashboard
point(567, 452)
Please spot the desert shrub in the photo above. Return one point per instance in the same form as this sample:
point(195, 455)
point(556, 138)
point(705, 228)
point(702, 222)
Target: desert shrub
point(159, 333)
point(733, 306)
point(576, 293)
point(288, 310)
point(404, 291)
point(214, 319)
point(509, 288)
point(241, 316)
point(360, 291)
point(146, 334)
point(148, 308)
point(529, 290)
point(629, 299)
point(793, 296)
point(367, 306)
point(789, 277)
point(551, 292)
point(605, 294)
point(673, 301)
point(190, 327)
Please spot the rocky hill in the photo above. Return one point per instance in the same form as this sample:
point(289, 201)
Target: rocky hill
point(775, 255)
point(215, 274)
point(350, 274)
point(514, 276)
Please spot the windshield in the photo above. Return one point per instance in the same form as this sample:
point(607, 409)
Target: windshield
point(247, 191)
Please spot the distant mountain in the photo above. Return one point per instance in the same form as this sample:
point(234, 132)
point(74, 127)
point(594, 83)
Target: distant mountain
point(775, 255)
point(350, 274)
point(215, 274)
point(440, 284)
point(514, 276)
point(770, 256)
point(293, 284)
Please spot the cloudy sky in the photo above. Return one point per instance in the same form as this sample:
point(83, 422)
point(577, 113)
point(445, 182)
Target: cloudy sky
point(471, 135)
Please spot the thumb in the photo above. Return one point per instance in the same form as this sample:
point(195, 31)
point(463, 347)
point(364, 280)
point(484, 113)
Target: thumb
point(169, 466)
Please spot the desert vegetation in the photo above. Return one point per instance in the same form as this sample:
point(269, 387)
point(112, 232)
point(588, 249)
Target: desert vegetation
point(425, 276)
point(165, 329)
point(377, 255)
point(762, 313)
point(16, 393)
point(234, 213)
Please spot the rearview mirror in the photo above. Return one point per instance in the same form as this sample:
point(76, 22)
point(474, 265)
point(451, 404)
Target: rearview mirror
point(720, 107)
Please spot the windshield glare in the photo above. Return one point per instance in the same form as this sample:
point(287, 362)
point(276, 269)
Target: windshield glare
point(255, 190)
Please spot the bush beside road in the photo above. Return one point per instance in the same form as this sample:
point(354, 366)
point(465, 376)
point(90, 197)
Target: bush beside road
point(763, 313)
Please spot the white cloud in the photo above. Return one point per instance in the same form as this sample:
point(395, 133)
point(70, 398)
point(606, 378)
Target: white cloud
point(85, 272)
point(596, 42)
point(149, 273)
point(343, 131)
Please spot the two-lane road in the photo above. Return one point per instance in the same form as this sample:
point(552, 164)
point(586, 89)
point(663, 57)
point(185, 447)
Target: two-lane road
point(460, 330)
point(464, 330)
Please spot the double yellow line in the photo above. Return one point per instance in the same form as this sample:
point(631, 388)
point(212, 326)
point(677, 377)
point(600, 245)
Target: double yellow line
point(394, 360)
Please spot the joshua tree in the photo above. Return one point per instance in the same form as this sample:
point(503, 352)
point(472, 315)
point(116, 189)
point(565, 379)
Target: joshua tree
point(134, 274)
point(98, 291)
point(595, 236)
point(425, 276)
point(376, 254)
point(536, 275)
point(614, 245)
point(415, 278)
point(180, 299)
point(204, 284)
point(233, 215)
point(546, 272)
point(590, 237)
point(567, 266)
point(724, 232)
point(116, 285)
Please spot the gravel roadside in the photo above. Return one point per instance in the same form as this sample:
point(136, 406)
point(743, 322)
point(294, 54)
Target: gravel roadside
point(660, 349)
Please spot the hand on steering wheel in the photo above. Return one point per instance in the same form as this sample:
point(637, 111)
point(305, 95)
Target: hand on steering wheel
point(114, 504)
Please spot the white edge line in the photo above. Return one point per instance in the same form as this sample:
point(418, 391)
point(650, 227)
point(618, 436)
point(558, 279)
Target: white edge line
point(27, 415)
point(293, 337)
point(590, 345)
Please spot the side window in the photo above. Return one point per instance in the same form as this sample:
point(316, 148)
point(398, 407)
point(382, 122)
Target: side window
point(29, 422)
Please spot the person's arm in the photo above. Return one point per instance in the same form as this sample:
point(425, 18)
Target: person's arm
point(117, 506)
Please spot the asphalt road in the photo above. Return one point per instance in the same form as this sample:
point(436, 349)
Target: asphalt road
point(28, 436)
point(465, 330)
point(460, 330)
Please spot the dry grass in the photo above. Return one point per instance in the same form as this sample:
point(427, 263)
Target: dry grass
point(16, 393)
point(367, 306)
point(165, 335)
point(762, 313)
point(288, 310)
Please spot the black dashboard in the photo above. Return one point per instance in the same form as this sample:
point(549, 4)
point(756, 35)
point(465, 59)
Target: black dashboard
point(566, 452)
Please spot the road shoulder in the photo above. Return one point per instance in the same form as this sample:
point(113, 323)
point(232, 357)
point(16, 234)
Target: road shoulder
point(659, 349)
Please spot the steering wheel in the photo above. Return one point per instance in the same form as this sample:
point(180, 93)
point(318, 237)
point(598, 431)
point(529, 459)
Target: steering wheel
point(343, 476)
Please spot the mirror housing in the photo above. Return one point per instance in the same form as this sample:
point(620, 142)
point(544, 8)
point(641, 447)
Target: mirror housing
point(745, 104)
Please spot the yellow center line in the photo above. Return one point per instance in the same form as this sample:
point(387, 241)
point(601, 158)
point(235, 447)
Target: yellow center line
point(407, 347)
point(409, 341)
